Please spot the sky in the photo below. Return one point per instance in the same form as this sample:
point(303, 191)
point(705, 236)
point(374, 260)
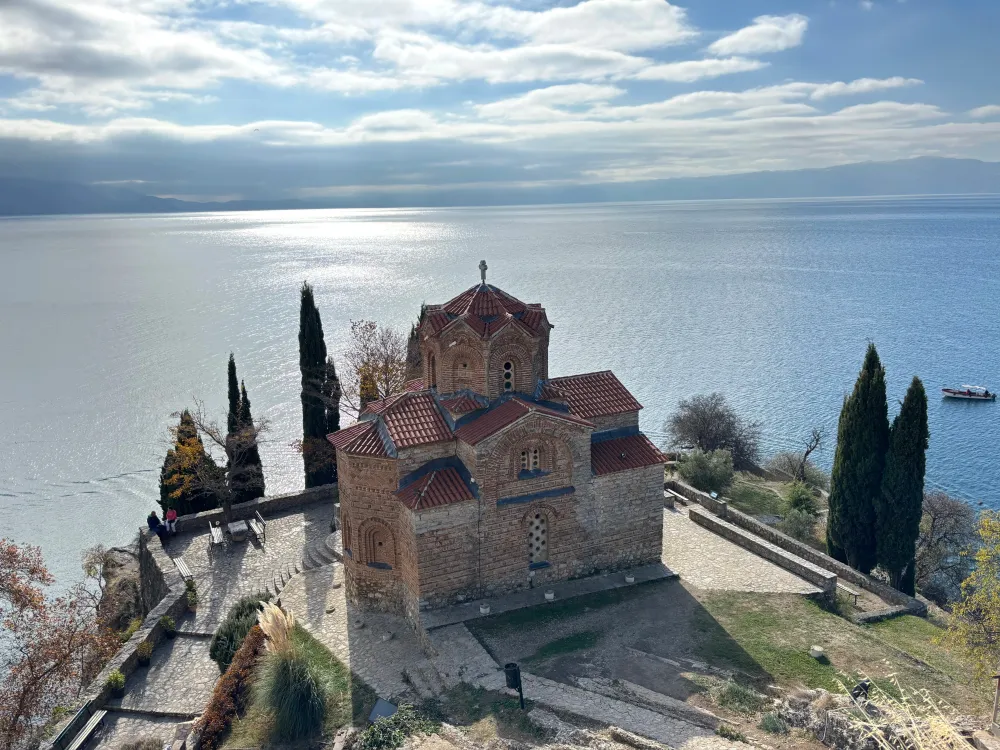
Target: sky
point(313, 99)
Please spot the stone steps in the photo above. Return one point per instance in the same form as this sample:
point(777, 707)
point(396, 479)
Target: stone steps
point(319, 554)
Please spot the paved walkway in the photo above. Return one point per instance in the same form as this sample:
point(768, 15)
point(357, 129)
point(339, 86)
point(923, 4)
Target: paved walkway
point(179, 681)
point(708, 561)
point(377, 647)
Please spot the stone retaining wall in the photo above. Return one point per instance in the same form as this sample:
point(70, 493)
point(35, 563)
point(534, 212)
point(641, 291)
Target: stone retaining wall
point(823, 579)
point(902, 603)
point(159, 570)
point(197, 522)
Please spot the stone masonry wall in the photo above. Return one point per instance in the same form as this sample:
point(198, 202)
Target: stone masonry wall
point(369, 516)
point(263, 505)
point(628, 506)
point(615, 421)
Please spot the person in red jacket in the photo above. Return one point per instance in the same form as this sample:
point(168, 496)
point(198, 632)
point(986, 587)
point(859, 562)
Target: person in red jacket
point(171, 519)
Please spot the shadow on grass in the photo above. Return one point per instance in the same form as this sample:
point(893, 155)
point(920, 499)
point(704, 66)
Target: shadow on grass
point(486, 714)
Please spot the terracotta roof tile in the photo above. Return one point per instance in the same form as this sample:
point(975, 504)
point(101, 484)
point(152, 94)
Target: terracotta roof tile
point(362, 439)
point(414, 419)
point(595, 394)
point(461, 404)
point(505, 414)
point(486, 310)
point(414, 385)
point(621, 454)
point(441, 487)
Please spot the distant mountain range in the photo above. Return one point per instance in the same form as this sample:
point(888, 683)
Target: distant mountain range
point(919, 176)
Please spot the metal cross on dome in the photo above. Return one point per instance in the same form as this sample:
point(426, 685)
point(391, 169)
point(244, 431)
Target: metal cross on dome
point(482, 269)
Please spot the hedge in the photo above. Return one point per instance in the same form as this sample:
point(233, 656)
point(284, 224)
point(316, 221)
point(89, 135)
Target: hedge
point(232, 691)
point(227, 639)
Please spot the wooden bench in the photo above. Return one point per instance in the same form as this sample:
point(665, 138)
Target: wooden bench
point(849, 591)
point(182, 568)
point(258, 527)
point(215, 538)
point(74, 737)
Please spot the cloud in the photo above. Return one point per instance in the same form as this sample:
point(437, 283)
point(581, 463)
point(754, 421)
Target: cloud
point(982, 113)
point(548, 103)
point(695, 70)
point(862, 86)
point(765, 34)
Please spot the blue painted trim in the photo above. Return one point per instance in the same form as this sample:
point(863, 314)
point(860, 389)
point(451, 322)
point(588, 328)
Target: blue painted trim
point(618, 432)
point(557, 492)
point(449, 462)
point(532, 473)
point(538, 565)
point(380, 566)
point(348, 553)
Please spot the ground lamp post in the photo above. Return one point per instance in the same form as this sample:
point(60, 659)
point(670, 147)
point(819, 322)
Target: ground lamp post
point(513, 674)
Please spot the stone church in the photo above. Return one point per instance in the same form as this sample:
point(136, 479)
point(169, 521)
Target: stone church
point(487, 475)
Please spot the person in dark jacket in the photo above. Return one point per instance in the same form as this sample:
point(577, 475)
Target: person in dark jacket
point(153, 521)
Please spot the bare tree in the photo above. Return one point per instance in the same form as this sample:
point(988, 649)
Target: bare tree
point(811, 444)
point(376, 365)
point(237, 447)
point(947, 535)
point(710, 423)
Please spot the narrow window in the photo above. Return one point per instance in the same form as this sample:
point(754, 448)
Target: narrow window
point(508, 376)
point(538, 543)
point(534, 459)
point(432, 366)
point(524, 460)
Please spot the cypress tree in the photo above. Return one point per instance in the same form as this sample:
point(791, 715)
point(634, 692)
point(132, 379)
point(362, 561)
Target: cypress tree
point(248, 478)
point(234, 397)
point(318, 413)
point(858, 465)
point(900, 504)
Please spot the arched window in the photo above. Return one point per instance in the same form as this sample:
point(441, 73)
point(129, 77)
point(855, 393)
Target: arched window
point(534, 459)
point(524, 460)
point(538, 542)
point(379, 546)
point(432, 367)
point(508, 376)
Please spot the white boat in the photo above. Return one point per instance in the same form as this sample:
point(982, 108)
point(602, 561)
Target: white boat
point(970, 393)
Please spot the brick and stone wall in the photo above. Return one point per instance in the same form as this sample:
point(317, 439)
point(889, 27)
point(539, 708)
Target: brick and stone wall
point(615, 421)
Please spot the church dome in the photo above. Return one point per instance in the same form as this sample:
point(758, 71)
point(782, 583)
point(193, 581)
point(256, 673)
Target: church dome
point(486, 310)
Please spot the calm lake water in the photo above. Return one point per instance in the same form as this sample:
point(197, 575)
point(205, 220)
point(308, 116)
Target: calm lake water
point(108, 324)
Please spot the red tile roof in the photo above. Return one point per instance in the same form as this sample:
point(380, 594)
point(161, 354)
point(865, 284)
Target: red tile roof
point(621, 454)
point(595, 394)
point(507, 413)
point(461, 404)
point(414, 419)
point(486, 310)
point(361, 439)
point(414, 385)
point(441, 487)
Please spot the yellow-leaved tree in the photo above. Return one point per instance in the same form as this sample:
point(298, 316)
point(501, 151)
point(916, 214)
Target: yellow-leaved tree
point(975, 622)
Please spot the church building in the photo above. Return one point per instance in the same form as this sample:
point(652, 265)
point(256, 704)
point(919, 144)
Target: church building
point(487, 475)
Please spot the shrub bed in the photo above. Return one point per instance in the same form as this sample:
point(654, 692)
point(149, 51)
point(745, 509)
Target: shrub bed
point(232, 691)
point(242, 617)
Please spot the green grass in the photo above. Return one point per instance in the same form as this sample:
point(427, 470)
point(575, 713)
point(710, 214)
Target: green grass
point(740, 698)
point(390, 732)
point(726, 732)
point(348, 698)
point(773, 724)
point(567, 645)
point(487, 714)
point(755, 500)
point(767, 637)
point(554, 611)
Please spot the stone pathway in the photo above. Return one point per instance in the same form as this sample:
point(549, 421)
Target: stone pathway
point(178, 681)
point(379, 651)
point(709, 562)
point(461, 658)
point(120, 728)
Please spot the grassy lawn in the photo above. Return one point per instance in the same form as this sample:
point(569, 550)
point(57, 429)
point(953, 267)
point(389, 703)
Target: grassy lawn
point(567, 645)
point(776, 631)
point(755, 499)
point(349, 699)
point(486, 715)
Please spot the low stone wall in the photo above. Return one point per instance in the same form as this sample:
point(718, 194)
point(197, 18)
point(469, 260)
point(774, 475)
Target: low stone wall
point(156, 567)
point(903, 604)
point(265, 505)
point(823, 579)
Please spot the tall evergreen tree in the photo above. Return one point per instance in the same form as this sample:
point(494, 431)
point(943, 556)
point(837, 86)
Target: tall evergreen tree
point(899, 506)
point(188, 472)
point(249, 480)
point(318, 408)
point(234, 396)
point(858, 465)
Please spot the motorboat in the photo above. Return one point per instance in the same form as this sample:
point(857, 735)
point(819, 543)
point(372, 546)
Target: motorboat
point(970, 393)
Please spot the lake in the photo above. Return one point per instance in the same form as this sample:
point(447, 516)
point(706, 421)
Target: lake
point(109, 324)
